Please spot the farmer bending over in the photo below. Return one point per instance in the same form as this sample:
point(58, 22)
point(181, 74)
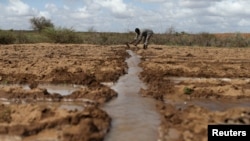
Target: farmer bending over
point(144, 35)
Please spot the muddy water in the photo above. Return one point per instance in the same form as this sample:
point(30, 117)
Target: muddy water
point(212, 105)
point(133, 117)
point(62, 89)
point(200, 79)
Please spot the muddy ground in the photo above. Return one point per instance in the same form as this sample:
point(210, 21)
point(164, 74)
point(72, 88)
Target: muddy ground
point(33, 113)
point(180, 75)
point(172, 75)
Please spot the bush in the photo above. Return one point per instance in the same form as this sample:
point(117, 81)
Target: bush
point(40, 23)
point(205, 39)
point(68, 35)
point(22, 38)
point(7, 37)
point(62, 35)
point(239, 41)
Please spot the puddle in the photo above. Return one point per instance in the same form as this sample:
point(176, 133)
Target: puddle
point(213, 105)
point(178, 80)
point(133, 117)
point(62, 89)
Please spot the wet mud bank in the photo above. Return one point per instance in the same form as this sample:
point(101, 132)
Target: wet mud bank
point(56, 93)
point(29, 122)
point(36, 64)
point(53, 112)
point(197, 86)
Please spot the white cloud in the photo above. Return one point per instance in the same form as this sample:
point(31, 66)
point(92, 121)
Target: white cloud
point(80, 13)
point(244, 22)
point(45, 14)
point(117, 7)
point(158, 1)
point(51, 7)
point(65, 7)
point(124, 15)
point(15, 14)
point(230, 8)
point(209, 16)
point(194, 3)
point(18, 8)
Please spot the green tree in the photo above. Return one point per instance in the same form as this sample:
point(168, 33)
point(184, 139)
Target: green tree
point(40, 23)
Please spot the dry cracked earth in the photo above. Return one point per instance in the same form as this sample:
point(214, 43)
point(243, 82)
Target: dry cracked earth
point(186, 82)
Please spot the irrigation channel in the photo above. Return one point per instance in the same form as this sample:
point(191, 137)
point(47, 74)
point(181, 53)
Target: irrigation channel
point(134, 117)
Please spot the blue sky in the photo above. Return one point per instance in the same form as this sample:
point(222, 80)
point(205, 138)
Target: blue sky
point(192, 16)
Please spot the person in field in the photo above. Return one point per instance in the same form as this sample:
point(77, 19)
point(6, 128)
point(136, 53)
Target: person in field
point(144, 35)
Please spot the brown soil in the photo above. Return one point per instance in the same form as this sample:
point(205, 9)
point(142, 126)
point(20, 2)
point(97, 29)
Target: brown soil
point(34, 64)
point(162, 65)
point(89, 65)
point(55, 63)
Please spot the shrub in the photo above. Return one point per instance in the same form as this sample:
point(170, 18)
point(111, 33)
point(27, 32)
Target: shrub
point(239, 41)
point(22, 38)
point(188, 90)
point(205, 39)
point(40, 23)
point(62, 35)
point(7, 37)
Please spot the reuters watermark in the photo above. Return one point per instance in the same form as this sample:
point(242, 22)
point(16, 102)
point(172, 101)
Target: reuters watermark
point(229, 131)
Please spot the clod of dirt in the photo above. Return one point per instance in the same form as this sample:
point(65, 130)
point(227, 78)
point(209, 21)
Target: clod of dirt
point(5, 114)
point(33, 85)
point(189, 55)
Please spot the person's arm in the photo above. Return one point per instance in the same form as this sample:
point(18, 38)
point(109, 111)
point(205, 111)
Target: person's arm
point(132, 41)
point(135, 39)
point(138, 40)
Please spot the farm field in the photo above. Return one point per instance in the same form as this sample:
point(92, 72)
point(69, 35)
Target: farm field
point(191, 86)
point(199, 86)
point(30, 111)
